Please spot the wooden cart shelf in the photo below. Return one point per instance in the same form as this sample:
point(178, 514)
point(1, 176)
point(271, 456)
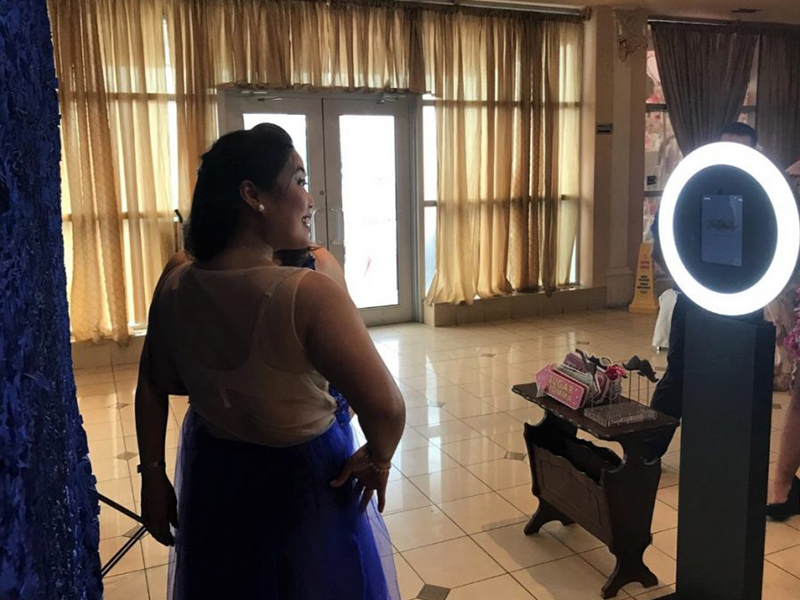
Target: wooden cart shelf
point(576, 481)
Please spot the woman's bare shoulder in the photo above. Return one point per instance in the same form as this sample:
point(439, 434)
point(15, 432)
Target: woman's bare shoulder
point(176, 260)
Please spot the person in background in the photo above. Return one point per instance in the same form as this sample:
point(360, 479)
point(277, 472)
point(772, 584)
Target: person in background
point(668, 395)
point(274, 501)
point(784, 499)
point(780, 312)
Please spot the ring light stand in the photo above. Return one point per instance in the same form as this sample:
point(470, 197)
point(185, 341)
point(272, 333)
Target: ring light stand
point(730, 236)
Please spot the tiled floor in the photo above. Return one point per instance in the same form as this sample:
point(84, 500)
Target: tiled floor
point(460, 492)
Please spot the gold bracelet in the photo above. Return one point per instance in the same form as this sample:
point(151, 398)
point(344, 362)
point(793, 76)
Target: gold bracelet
point(382, 467)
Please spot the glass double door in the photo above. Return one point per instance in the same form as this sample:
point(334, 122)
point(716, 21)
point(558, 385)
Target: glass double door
point(358, 159)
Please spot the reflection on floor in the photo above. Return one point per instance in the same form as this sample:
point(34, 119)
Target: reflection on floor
point(460, 492)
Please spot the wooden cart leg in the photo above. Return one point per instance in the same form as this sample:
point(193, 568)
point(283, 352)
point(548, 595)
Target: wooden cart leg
point(630, 568)
point(546, 513)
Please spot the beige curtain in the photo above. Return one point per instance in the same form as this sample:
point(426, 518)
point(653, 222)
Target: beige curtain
point(704, 71)
point(195, 94)
point(565, 41)
point(110, 60)
point(282, 45)
point(778, 108)
point(507, 88)
point(508, 92)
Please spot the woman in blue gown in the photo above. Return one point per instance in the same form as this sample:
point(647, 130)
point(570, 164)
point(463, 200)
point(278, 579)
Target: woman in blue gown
point(285, 521)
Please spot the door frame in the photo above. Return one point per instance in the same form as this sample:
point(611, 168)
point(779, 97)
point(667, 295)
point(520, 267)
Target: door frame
point(234, 101)
point(399, 111)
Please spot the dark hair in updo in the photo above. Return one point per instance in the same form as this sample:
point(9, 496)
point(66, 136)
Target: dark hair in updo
point(742, 130)
point(258, 155)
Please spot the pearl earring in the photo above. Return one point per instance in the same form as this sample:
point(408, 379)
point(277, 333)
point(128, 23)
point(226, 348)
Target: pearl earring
point(261, 208)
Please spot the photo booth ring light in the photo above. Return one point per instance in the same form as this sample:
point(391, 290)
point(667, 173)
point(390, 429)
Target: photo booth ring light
point(782, 200)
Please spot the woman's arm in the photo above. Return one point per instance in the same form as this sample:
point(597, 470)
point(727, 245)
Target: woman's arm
point(339, 347)
point(326, 263)
point(159, 505)
point(151, 405)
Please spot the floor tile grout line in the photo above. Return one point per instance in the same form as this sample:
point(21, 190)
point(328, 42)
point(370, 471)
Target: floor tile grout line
point(403, 552)
point(410, 566)
point(797, 545)
point(546, 562)
point(507, 572)
point(147, 579)
point(420, 474)
point(784, 570)
point(459, 527)
point(565, 558)
point(522, 585)
point(467, 466)
point(488, 485)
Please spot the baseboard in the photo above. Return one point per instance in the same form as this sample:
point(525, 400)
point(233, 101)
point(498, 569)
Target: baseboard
point(515, 306)
point(89, 355)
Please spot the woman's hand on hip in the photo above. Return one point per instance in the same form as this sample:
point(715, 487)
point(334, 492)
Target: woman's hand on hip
point(369, 476)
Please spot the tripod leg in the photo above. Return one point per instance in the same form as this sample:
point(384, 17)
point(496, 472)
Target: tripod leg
point(123, 551)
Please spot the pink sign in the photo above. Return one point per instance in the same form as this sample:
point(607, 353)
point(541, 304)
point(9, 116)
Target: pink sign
point(560, 387)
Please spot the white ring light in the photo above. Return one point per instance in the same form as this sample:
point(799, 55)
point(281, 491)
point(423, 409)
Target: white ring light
point(783, 203)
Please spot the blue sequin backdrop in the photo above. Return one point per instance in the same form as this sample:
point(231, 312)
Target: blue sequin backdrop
point(48, 522)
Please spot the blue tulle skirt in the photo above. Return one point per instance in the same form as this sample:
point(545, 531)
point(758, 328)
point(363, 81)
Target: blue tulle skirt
point(261, 523)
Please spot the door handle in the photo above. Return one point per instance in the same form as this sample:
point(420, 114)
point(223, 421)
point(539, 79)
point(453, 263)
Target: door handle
point(338, 235)
point(316, 214)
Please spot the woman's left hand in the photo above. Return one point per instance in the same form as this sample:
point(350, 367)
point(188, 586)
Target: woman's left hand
point(159, 506)
point(368, 479)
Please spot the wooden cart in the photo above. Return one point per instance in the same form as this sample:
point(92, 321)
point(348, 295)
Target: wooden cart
point(576, 481)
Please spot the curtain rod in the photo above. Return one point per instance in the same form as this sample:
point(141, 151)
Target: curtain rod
point(552, 9)
point(756, 25)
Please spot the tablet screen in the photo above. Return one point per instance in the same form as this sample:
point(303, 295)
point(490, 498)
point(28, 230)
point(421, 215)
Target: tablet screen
point(721, 229)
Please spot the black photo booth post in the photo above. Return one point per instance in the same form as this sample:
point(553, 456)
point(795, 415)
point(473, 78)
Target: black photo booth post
point(730, 236)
